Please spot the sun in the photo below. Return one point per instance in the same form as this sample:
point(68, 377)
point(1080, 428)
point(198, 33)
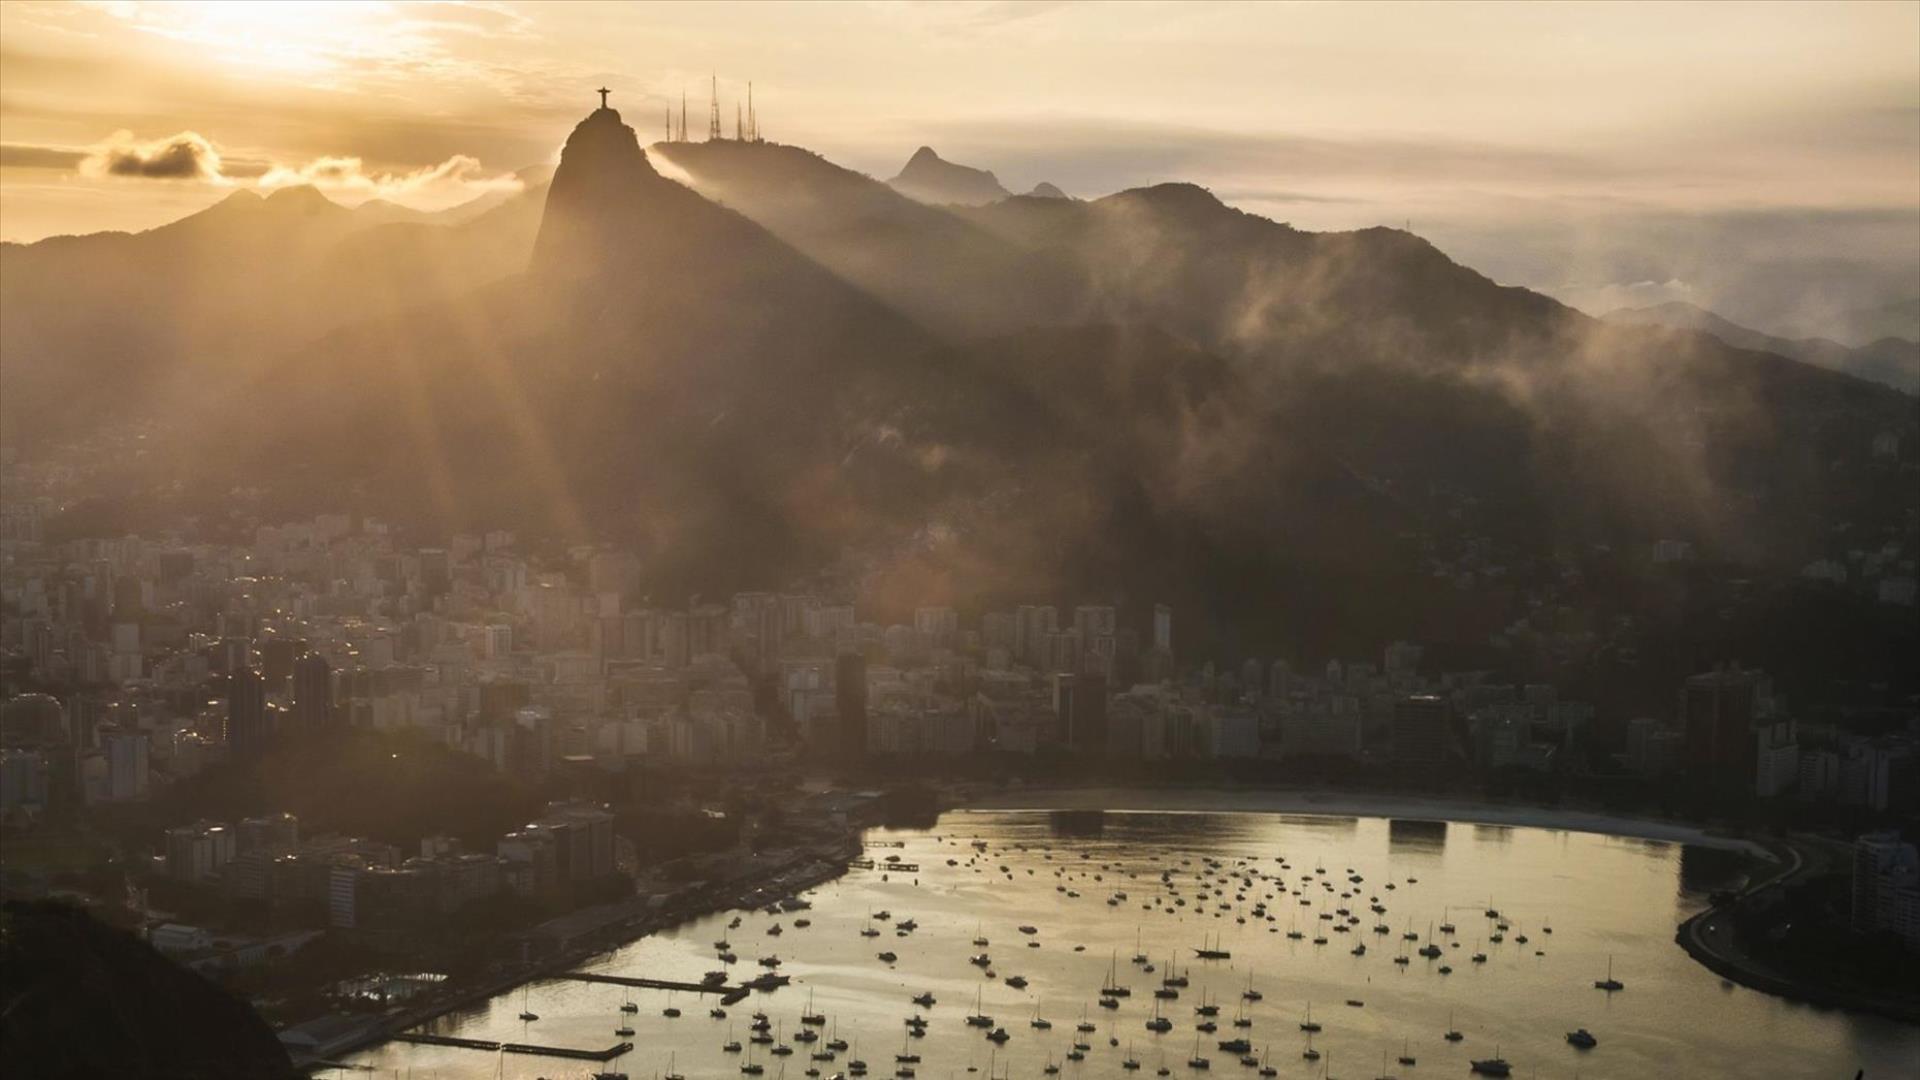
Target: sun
point(285, 35)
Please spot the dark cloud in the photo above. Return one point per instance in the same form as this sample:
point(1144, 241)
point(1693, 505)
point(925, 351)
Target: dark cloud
point(24, 156)
point(186, 156)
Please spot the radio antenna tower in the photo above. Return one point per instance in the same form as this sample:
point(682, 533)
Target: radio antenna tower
point(713, 111)
point(753, 122)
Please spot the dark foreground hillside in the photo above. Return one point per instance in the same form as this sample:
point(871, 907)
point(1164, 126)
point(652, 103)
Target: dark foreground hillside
point(79, 998)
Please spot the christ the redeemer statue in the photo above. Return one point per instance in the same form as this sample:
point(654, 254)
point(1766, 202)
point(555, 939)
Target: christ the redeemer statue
point(603, 92)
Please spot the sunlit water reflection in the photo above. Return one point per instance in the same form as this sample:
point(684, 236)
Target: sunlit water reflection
point(1603, 897)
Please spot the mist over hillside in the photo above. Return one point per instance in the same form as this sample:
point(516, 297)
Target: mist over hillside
point(756, 365)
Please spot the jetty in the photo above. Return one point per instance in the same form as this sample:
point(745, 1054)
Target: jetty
point(533, 1049)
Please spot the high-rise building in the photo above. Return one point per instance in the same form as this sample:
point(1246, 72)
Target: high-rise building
point(312, 694)
point(850, 704)
point(249, 724)
point(1064, 689)
point(277, 655)
point(937, 627)
point(1422, 736)
point(501, 699)
point(1088, 715)
point(1886, 887)
point(1737, 737)
point(126, 753)
point(199, 851)
point(499, 641)
point(1032, 627)
point(435, 570)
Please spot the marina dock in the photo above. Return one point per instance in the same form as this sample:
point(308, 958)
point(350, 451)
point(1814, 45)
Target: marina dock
point(532, 1049)
point(728, 994)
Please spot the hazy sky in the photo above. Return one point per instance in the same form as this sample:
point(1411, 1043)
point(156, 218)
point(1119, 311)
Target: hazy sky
point(1602, 152)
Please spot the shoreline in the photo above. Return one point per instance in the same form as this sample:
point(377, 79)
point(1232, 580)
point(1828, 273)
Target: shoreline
point(1351, 804)
point(1692, 936)
point(382, 1029)
point(1782, 862)
point(1195, 799)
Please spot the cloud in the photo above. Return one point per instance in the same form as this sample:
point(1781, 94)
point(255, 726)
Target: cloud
point(26, 156)
point(191, 156)
point(459, 174)
point(185, 156)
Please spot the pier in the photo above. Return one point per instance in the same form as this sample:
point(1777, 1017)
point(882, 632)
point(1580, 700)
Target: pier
point(532, 1049)
point(728, 994)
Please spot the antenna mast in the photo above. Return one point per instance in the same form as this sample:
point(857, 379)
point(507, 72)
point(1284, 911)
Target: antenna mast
point(713, 111)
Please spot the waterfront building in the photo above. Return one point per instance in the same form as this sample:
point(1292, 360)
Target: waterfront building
point(1422, 733)
point(1886, 887)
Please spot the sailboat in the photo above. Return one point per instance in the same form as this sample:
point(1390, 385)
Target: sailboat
point(1431, 950)
point(1453, 1033)
point(1308, 1025)
point(1112, 988)
point(672, 1074)
point(1493, 1066)
point(1250, 994)
point(978, 1019)
point(1609, 984)
point(906, 1056)
point(526, 1010)
point(1159, 1024)
point(1406, 1051)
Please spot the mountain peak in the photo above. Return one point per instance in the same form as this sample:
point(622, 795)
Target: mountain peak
point(301, 199)
point(931, 178)
point(1174, 198)
point(598, 189)
point(602, 146)
point(1044, 190)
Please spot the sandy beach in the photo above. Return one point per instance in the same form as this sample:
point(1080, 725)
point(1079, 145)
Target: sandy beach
point(1344, 804)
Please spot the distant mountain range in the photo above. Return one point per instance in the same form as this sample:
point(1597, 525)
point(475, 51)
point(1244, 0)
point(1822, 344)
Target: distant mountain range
point(930, 388)
point(1890, 361)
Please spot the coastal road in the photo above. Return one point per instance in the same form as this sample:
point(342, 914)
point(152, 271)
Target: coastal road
point(1709, 937)
point(1711, 931)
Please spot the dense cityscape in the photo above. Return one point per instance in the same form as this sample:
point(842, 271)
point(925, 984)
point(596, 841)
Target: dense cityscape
point(1368, 533)
point(145, 671)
